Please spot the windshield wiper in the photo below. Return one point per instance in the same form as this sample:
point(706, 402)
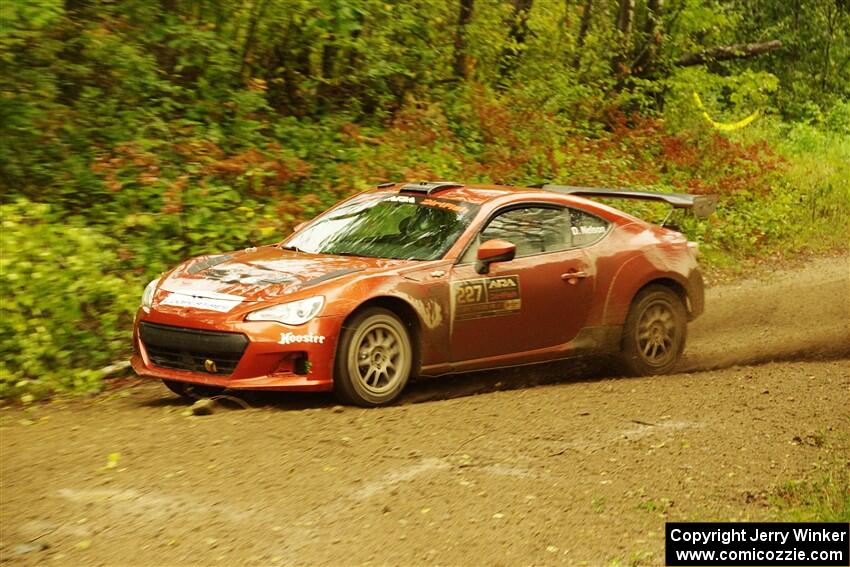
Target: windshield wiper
point(293, 249)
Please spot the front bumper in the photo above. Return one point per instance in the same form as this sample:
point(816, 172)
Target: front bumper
point(276, 357)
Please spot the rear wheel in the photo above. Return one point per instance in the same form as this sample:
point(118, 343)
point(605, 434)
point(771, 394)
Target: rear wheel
point(654, 333)
point(189, 391)
point(374, 358)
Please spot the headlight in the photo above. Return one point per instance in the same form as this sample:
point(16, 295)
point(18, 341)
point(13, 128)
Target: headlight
point(147, 295)
point(292, 313)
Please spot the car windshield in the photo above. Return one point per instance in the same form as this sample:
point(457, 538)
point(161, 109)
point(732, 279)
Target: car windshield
point(402, 227)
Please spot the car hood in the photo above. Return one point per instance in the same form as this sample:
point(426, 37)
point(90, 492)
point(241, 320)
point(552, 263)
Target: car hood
point(264, 274)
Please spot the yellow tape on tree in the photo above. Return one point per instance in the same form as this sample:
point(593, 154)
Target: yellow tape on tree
point(724, 125)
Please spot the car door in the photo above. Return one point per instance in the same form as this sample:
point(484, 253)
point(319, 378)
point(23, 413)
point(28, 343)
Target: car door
point(538, 300)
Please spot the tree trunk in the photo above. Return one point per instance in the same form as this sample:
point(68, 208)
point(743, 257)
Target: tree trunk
point(464, 16)
point(726, 52)
point(288, 69)
point(329, 54)
point(653, 36)
point(827, 60)
point(326, 90)
point(249, 38)
point(516, 36)
point(625, 15)
point(583, 28)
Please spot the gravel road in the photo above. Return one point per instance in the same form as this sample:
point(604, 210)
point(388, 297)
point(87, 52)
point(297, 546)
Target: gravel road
point(559, 465)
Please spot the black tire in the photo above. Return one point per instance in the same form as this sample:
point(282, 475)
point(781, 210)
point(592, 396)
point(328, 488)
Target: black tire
point(189, 391)
point(374, 359)
point(655, 332)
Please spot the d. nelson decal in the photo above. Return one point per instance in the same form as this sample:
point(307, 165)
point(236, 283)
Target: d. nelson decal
point(487, 297)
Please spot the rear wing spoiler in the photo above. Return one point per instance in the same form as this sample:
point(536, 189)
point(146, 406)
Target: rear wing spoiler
point(701, 205)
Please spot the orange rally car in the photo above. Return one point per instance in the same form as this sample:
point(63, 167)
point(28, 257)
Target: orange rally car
point(426, 279)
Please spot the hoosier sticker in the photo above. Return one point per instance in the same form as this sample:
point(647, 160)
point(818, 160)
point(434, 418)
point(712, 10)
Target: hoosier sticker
point(290, 338)
point(487, 297)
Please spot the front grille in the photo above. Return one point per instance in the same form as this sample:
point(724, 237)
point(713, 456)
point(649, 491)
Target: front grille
point(189, 349)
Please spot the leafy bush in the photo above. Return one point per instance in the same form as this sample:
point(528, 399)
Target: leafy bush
point(65, 311)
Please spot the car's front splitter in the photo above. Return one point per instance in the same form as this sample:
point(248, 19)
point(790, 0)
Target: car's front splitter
point(276, 357)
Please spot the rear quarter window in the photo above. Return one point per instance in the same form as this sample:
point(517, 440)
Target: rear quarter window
point(587, 228)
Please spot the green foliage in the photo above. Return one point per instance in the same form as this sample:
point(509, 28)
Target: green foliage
point(826, 499)
point(726, 99)
point(823, 496)
point(134, 135)
point(813, 65)
point(65, 312)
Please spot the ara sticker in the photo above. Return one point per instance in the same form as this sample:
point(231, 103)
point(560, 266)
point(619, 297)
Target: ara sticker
point(487, 297)
point(400, 199)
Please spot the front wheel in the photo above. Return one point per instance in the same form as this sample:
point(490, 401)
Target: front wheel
point(374, 358)
point(654, 333)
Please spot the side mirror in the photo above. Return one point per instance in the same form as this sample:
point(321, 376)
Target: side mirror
point(494, 251)
point(299, 226)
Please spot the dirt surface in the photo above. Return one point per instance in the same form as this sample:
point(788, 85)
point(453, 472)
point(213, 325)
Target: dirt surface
point(485, 469)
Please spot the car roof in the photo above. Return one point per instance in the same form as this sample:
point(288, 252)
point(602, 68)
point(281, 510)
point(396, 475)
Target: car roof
point(480, 194)
point(476, 194)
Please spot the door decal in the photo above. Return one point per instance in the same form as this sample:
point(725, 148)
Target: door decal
point(486, 297)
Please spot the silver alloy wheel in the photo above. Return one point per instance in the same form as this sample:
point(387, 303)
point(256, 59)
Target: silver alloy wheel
point(656, 333)
point(379, 359)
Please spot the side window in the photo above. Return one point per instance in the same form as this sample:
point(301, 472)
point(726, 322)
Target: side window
point(534, 230)
point(587, 228)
